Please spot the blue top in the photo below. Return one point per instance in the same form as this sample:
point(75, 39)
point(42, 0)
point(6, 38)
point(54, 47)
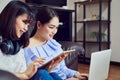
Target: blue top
point(49, 50)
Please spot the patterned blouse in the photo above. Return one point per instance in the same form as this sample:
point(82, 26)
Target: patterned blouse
point(50, 49)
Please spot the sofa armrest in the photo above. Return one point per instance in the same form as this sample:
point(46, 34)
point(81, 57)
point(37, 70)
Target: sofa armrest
point(5, 75)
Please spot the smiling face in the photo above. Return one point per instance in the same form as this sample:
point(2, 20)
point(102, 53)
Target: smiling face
point(48, 30)
point(21, 24)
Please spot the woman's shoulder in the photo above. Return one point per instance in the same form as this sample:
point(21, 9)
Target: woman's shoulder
point(53, 42)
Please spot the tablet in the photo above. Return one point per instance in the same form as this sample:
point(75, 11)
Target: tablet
point(69, 51)
point(48, 60)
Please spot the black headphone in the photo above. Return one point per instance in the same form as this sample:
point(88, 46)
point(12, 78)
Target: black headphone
point(9, 47)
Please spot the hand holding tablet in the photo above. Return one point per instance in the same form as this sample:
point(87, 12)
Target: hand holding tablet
point(56, 59)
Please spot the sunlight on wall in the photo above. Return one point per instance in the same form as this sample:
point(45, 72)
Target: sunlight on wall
point(3, 3)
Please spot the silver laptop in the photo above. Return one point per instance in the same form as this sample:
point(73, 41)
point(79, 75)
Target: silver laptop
point(99, 65)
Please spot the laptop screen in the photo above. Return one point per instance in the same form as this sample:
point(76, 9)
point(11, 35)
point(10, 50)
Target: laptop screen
point(99, 65)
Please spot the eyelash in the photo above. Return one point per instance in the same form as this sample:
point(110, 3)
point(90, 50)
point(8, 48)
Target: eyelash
point(51, 27)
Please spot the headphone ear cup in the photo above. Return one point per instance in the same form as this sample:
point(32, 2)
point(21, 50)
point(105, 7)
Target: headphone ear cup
point(7, 47)
point(16, 47)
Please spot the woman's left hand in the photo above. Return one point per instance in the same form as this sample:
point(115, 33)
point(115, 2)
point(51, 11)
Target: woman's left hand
point(81, 76)
point(56, 62)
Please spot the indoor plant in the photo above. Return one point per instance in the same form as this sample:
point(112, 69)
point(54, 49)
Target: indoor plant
point(96, 35)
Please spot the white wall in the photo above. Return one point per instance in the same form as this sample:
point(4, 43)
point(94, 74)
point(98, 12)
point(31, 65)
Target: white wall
point(115, 28)
point(3, 3)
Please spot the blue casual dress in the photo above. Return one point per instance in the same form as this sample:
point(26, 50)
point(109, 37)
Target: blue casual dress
point(50, 49)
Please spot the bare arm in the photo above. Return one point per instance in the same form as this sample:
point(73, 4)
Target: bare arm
point(21, 76)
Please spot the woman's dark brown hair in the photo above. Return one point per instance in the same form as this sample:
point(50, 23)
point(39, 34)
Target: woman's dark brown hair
point(7, 22)
point(44, 14)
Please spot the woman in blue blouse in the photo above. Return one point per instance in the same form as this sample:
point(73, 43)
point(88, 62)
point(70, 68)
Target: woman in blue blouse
point(43, 44)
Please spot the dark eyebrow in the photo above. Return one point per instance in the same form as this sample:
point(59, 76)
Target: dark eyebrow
point(27, 21)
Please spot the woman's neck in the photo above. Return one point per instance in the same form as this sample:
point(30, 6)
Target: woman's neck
point(37, 41)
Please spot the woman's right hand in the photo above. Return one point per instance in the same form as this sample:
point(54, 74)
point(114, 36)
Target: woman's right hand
point(32, 68)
